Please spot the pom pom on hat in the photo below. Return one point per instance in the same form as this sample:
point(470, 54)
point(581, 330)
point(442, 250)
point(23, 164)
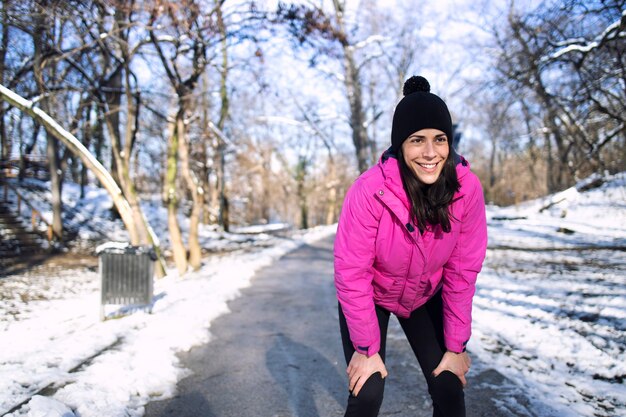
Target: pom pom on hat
point(419, 109)
point(414, 84)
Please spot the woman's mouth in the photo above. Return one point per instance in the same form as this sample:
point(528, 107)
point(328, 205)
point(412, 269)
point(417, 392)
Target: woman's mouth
point(428, 167)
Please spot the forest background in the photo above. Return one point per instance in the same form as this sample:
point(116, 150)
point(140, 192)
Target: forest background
point(240, 112)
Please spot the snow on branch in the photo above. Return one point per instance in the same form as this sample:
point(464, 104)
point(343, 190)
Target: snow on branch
point(613, 31)
point(166, 39)
point(220, 134)
point(370, 40)
point(281, 120)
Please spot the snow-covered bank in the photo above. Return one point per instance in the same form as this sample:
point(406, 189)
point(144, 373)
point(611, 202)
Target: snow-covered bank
point(129, 361)
point(550, 307)
point(570, 219)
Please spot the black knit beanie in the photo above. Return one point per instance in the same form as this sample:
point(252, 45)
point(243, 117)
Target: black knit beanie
point(419, 109)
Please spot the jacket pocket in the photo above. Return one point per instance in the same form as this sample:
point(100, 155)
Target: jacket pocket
point(383, 284)
point(433, 283)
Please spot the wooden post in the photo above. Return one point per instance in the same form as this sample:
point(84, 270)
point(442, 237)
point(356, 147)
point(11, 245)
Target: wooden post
point(50, 233)
point(19, 203)
point(33, 218)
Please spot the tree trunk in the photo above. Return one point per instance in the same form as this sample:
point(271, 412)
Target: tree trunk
point(550, 168)
point(210, 193)
point(113, 95)
point(40, 42)
point(267, 185)
point(170, 198)
point(301, 169)
point(5, 146)
point(355, 96)
point(492, 165)
point(532, 149)
point(205, 216)
point(371, 137)
point(357, 117)
point(331, 207)
point(195, 252)
point(52, 151)
point(98, 132)
point(559, 161)
point(29, 148)
point(87, 131)
point(223, 217)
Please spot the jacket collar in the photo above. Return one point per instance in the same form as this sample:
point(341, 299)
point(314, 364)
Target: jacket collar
point(390, 168)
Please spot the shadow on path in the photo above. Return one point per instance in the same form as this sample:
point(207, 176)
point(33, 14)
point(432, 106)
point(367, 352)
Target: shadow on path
point(301, 370)
point(194, 402)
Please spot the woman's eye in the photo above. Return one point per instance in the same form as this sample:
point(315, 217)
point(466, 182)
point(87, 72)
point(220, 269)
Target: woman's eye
point(442, 139)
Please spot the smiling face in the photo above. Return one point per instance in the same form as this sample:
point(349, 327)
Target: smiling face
point(425, 153)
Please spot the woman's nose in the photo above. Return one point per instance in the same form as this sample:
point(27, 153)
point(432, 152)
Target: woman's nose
point(429, 150)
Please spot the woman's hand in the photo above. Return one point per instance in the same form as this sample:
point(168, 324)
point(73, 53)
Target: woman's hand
point(361, 368)
point(457, 363)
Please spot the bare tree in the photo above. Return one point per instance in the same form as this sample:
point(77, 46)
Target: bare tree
point(570, 73)
point(375, 48)
point(80, 71)
point(76, 146)
point(184, 64)
point(115, 87)
point(354, 89)
point(358, 54)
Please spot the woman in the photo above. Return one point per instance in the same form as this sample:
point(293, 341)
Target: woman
point(411, 240)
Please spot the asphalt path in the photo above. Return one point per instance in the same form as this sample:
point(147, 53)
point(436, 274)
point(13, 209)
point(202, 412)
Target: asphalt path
point(278, 354)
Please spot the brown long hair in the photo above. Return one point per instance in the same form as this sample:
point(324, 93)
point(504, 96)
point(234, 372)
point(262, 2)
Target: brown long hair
point(430, 202)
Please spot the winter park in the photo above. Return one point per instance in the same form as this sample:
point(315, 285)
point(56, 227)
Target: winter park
point(237, 208)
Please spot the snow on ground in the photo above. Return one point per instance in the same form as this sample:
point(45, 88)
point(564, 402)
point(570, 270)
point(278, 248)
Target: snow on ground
point(51, 335)
point(550, 306)
point(596, 217)
point(550, 314)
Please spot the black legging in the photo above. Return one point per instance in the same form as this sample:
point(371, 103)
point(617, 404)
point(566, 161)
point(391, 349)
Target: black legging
point(424, 331)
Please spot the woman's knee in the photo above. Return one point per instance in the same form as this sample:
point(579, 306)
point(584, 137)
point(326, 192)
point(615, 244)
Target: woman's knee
point(446, 387)
point(371, 394)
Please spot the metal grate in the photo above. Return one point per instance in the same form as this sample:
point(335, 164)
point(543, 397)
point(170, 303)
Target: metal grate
point(126, 274)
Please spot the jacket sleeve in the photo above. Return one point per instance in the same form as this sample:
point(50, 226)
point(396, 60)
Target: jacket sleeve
point(462, 268)
point(354, 258)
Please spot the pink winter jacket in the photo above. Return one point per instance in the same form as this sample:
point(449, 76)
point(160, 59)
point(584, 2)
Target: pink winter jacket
point(382, 259)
